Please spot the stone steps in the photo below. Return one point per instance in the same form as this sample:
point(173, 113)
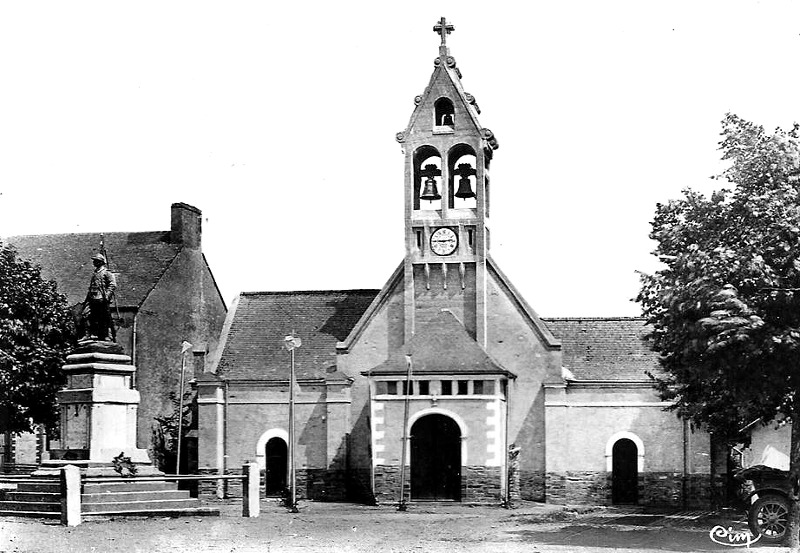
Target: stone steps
point(48, 487)
point(40, 506)
point(150, 498)
point(140, 506)
point(33, 497)
point(181, 512)
point(122, 487)
point(29, 514)
point(112, 497)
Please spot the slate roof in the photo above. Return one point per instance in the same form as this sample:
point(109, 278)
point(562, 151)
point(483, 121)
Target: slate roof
point(441, 346)
point(140, 258)
point(605, 348)
point(254, 350)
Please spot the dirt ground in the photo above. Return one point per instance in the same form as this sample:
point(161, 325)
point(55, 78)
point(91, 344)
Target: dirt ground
point(346, 528)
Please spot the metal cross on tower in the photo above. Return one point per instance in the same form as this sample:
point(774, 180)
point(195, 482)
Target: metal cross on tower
point(443, 28)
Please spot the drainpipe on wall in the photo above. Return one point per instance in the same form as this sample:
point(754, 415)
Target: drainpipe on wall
point(225, 435)
point(371, 442)
point(506, 452)
point(222, 487)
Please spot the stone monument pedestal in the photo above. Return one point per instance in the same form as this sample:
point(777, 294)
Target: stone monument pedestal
point(98, 411)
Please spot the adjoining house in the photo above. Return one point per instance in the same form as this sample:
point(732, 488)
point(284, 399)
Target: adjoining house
point(445, 378)
point(166, 293)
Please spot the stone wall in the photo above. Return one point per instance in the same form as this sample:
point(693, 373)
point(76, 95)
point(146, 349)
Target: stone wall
point(579, 487)
point(667, 489)
point(387, 483)
point(184, 305)
point(359, 486)
point(317, 484)
point(532, 485)
point(321, 484)
point(479, 484)
point(656, 489)
point(230, 488)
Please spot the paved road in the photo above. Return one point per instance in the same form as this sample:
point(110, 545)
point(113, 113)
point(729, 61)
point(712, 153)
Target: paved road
point(632, 531)
point(346, 528)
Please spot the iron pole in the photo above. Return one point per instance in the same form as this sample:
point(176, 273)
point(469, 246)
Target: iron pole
point(180, 412)
point(292, 488)
point(401, 506)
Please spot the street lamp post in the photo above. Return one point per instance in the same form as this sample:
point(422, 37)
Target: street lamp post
point(401, 505)
point(291, 343)
point(185, 346)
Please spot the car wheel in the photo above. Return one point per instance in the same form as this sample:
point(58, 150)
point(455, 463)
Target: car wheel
point(769, 518)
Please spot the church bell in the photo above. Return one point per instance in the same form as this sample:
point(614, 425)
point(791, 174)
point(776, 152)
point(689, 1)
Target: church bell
point(464, 189)
point(429, 192)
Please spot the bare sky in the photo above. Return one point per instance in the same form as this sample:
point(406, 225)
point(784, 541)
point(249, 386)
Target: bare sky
point(277, 120)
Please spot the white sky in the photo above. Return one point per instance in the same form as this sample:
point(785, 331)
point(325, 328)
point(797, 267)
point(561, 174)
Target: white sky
point(278, 121)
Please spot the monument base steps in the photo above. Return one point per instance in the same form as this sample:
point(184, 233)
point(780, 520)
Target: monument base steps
point(43, 500)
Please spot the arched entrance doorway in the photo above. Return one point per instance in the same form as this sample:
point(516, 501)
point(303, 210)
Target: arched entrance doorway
point(624, 472)
point(436, 459)
point(276, 460)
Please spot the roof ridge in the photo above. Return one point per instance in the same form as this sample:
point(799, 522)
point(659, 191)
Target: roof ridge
point(611, 318)
point(310, 292)
point(87, 233)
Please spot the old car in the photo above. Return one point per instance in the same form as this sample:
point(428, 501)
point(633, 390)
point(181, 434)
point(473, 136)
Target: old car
point(766, 493)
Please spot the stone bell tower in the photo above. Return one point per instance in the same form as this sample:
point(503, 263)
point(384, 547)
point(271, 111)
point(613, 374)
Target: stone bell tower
point(447, 156)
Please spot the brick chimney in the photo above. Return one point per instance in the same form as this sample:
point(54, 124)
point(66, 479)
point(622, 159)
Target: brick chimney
point(186, 225)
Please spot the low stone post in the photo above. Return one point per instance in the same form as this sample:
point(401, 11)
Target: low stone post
point(70, 496)
point(250, 486)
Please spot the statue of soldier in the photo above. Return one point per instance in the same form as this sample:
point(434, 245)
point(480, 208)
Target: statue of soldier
point(97, 306)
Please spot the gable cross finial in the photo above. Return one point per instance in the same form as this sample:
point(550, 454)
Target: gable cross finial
point(443, 28)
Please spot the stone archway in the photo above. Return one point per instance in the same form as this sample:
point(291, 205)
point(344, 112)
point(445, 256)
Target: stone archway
point(435, 458)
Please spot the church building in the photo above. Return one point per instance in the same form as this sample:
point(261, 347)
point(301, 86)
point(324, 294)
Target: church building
point(445, 378)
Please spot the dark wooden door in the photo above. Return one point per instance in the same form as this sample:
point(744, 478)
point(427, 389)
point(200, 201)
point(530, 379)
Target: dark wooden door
point(276, 460)
point(436, 459)
point(625, 472)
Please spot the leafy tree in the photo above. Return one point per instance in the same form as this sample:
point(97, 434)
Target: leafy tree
point(165, 433)
point(726, 307)
point(36, 331)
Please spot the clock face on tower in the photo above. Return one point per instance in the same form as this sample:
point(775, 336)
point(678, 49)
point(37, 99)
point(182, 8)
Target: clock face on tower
point(444, 241)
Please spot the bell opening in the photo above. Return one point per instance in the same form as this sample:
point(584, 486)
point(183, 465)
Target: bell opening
point(427, 178)
point(444, 113)
point(463, 177)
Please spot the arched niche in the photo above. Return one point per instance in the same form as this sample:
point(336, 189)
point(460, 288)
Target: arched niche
point(444, 113)
point(427, 177)
point(462, 165)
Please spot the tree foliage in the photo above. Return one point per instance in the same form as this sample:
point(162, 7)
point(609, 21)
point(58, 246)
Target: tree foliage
point(726, 307)
point(165, 432)
point(36, 331)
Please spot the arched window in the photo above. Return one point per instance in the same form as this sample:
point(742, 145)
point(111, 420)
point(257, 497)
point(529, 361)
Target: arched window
point(462, 171)
point(427, 178)
point(444, 113)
